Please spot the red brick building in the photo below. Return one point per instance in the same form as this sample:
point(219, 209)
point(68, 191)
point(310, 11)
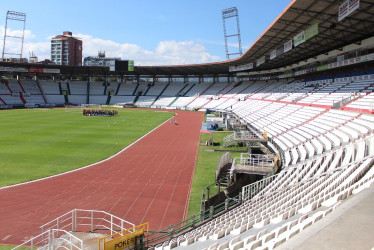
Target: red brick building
point(66, 50)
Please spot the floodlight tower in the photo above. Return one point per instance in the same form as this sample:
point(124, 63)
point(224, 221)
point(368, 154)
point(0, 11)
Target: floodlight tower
point(15, 16)
point(226, 14)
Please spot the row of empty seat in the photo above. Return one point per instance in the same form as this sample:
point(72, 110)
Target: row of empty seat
point(219, 95)
point(306, 191)
point(327, 156)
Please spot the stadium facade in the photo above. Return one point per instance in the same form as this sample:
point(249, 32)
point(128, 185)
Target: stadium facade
point(307, 82)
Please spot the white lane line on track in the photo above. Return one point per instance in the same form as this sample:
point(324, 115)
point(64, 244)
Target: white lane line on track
point(6, 237)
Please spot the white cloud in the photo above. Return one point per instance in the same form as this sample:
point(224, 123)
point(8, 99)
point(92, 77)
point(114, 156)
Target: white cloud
point(166, 52)
point(14, 41)
point(18, 33)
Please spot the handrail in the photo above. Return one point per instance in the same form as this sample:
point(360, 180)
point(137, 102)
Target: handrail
point(48, 238)
point(53, 238)
point(92, 218)
point(249, 191)
point(208, 188)
point(253, 162)
point(191, 222)
point(39, 240)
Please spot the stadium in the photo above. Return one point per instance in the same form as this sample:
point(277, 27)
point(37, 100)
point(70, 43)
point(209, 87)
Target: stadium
point(299, 101)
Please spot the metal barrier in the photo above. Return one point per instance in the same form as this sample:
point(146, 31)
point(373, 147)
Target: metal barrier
point(173, 230)
point(87, 220)
point(74, 221)
point(249, 191)
point(223, 161)
point(245, 134)
point(260, 160)
point(50, 238)
point(229, 140)
point(39, 240)
point(253, 162)
point(72, 241)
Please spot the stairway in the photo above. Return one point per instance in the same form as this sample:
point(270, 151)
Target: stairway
point(41, 91)
point(229, 140)
point(175, 99)
point(137, 97)
point(158, 97)
point(224, 180)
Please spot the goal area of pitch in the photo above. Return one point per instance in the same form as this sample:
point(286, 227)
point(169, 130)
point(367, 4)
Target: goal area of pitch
point(91, 106)
point(70, 108)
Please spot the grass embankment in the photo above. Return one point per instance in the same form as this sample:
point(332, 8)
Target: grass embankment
point(44, 142)
point(205, 169)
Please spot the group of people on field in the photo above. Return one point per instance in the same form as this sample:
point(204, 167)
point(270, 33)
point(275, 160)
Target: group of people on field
point(96, 112)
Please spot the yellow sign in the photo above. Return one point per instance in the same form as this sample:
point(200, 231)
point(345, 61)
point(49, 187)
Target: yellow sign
point(276, 159)
point(265, 135)
point(127, 241)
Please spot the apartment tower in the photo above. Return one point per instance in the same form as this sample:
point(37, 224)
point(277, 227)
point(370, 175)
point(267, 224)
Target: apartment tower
point(66, 50)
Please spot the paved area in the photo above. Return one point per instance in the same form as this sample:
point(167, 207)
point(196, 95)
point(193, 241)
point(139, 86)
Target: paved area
point(350, 226)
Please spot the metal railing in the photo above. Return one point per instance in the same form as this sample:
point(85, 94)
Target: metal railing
point(74, 221)
point(344, 100)
point(223, 161)
point(247, 159)
point(211, 190)
point(172, 231)
point(245, 134)
point(249, 191)
point(228, 140)
point(253, 162)
point(87, 220)
point(61, 238)
point(39, 240)
point(53, 239)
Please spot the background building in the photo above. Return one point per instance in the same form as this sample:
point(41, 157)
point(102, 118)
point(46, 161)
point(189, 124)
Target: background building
point(66, 50)
point(100, 60)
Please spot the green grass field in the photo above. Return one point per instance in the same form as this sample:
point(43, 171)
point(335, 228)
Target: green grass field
point(43, 142)
point(205, 170)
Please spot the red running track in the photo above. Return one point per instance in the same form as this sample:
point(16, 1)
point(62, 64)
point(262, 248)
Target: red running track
point(148, 182)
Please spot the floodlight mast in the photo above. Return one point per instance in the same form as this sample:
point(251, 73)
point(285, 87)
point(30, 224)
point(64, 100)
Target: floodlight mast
point(15, 16)
point(231, 13)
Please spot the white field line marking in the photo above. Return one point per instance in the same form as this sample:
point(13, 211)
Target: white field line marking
point(93, 164)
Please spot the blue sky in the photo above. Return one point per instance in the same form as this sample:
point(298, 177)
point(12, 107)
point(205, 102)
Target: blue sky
point(151, 32)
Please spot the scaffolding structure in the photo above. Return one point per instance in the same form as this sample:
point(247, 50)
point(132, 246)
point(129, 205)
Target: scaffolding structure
point(234, 32)
point(19, 17)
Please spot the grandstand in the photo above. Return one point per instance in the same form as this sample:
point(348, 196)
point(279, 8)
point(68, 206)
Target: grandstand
point(313, 100)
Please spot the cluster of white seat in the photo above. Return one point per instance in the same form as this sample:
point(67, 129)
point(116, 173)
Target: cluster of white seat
point(327, 154)
point(219, 95)
point(31, 92)
point(298, 197)
point(366, 102)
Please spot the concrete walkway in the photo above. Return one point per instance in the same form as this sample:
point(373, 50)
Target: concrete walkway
point(350, 226)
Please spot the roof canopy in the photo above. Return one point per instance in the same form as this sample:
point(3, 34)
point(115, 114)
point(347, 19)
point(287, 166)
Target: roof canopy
point(298, 17)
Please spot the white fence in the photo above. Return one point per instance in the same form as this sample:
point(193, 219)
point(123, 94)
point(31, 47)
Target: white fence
point(77, 220)
point(87, 220)
point(53, 239)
